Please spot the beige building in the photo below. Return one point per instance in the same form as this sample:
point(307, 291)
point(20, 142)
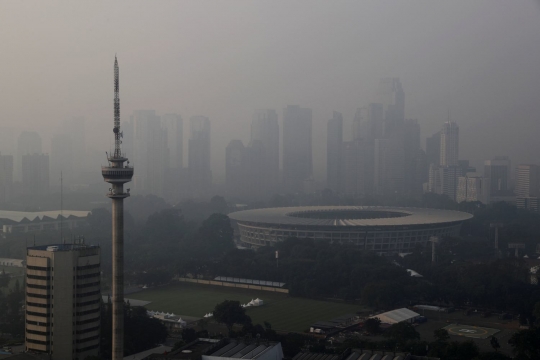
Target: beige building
point(63, 300)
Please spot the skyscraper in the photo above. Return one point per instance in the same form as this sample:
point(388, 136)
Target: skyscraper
point(28, 143)
point(265, 128)
point(235, 168)
point(200, 173)
point(334, 142)
point(352, 168)
point(390, 94)
point(6, 177)
point(63, 300)
point(151, 152)
point(117, 175)
point(449, 144)
point(433, 149)
point(35, 174)
point(174, 124)
point(498, 173)
point(297, 151)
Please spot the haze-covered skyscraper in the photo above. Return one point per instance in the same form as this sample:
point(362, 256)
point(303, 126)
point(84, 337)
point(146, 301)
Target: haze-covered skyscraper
point(334, 142)
point(265, 128)
point(390, 94)
point(35, 174)
point(297, 151)
point(433, 149)
point(498, 173)
point(6, 177)
point(151, 152)
point(449, 144)
point(235, 169)
point(352, 168)
point(200, 173)
point(174, 125)
point(28, 143)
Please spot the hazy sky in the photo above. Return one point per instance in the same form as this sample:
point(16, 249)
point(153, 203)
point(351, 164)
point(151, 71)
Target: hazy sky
point(223, 59)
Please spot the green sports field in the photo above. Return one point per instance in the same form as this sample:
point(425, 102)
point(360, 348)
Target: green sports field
point(280, 310)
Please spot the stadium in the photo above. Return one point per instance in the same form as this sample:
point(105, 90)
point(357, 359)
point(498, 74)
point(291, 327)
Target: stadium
point(385, 230)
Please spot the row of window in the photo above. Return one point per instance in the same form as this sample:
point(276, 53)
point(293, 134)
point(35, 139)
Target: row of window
point(91, 338)
point(89, 321)
point(91, 302)
point(97, 292)
point(88, 348)
point(92, 311)
point(79, 332)
point(44, 324)
point(40, 268)
point(82, 286)
point(38, 295)
point(88, 276)
point(87, 267)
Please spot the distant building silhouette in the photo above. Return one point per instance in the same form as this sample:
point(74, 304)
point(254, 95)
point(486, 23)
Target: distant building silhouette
point(433, 149)
point(352, 168)
point(28, 143)
point(200, 174)
point(528, 187)
point(297, 147)
point(265, 129)
point(6, 177)
point(334, 144)
point(62, 160)
point(498, 173)
point(35, 174)
point(449, 144)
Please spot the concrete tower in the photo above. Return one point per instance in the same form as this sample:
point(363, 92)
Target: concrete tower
point(117, 175)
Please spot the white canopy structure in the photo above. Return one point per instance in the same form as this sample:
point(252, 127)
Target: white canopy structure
point(397, 316)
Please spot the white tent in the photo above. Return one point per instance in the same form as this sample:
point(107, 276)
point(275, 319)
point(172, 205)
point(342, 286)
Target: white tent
point(397, 316)
point(257, 302)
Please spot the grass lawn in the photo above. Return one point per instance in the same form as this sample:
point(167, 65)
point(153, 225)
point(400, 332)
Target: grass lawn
point(280, 310)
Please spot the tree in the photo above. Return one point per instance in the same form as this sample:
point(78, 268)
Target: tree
point(372, 325)
point(229, 313)
point(526, 344)
point(495, 343)
point(403, 332)
point(189, 335)
point(441, 335)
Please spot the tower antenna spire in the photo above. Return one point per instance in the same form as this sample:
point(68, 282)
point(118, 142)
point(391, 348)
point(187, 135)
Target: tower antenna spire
point(117, 175)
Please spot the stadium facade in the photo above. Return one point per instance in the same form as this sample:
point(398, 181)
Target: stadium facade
point(385, 230)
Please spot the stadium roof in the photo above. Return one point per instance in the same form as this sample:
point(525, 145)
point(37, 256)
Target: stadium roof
point(396, 316)
point(349, 216)
point(18, 216)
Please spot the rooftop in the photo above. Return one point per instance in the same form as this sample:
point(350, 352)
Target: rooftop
point(19, 216)
point(349, 216)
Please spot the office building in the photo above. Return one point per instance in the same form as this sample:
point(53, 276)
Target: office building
point(200, 173)
point(265, 128)
point(351, 178)
point(174, 125)
point(235, 169)
point(6, 177)
point(473, 187)
point(449, 144)
point(151, 152)
point(35, 174)
point(28, 143)
point(389, 167)
point(63, 301)
point(390, 94)
point(433, 149)
point(498, 173)
point(528, 187)
point(334, 143)
point(297, 147)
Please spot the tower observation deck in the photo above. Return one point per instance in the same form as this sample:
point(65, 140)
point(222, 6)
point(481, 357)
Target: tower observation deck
point(117, 174)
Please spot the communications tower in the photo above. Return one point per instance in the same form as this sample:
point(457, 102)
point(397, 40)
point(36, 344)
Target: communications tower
point(117, 174)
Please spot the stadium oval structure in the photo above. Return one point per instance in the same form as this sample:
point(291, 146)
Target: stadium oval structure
point(385, 230)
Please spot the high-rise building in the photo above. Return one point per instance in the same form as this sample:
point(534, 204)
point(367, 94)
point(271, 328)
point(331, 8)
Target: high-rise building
point(334, 143)
point(297, 147)
point(28, 143)
point(200, 173)
point(528, 180)
point(174, 124)
point(63, 300)
point(265, 128)
point(389, 167)
point(411, 148)
point(433, 149)
point(449, 144)
point(352, 170)
point(35, 174)
point(498, 173)
point(62, 159)
point(6, 177)
point(390, 94)
point(472, 187)
point(235, 169)
point(151, 152)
